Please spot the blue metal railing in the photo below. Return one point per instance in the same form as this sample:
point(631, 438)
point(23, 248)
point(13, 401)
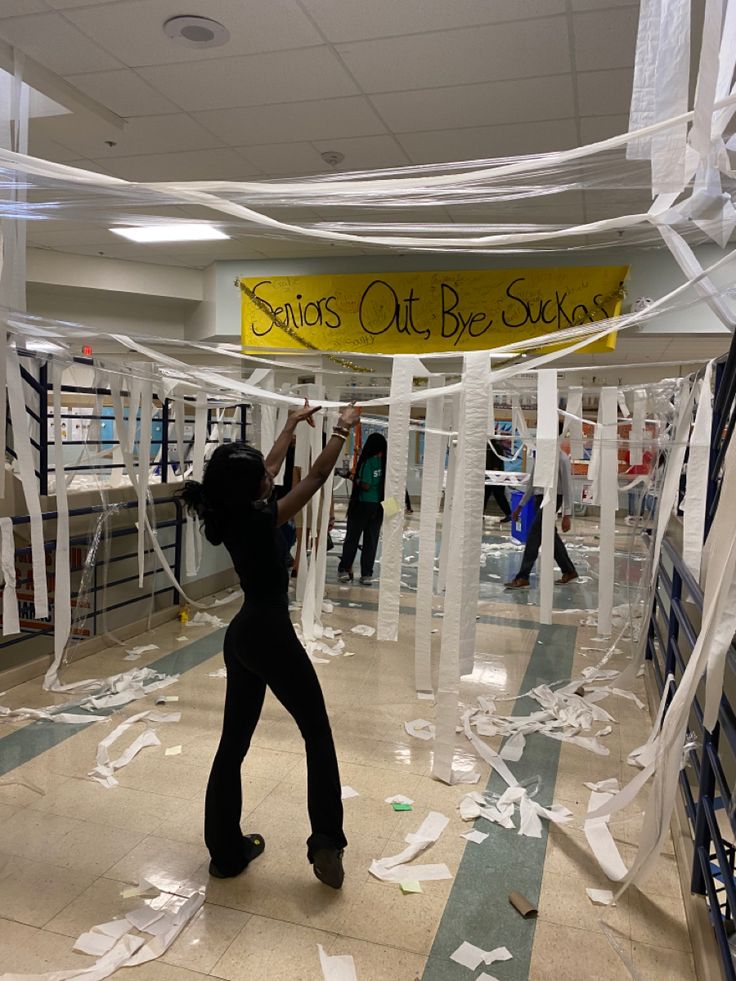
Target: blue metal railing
point(93, 590)
point(160, 446)
point(706, 785)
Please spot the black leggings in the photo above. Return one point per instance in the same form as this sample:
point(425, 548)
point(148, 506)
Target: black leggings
point(364, 518)
point(534, 541)
point(499, 494)
point(261, 649)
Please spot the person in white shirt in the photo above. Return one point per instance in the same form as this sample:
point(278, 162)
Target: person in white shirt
point(534, 540)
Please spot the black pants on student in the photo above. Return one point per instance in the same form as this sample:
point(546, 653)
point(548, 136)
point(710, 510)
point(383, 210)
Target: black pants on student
point(262, 650)
point(364, 519)
point(499, 493)
point(534, 542)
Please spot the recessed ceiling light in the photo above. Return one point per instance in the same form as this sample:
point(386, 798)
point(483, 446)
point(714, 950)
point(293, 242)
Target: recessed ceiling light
point(196, 32)
point(175, 232)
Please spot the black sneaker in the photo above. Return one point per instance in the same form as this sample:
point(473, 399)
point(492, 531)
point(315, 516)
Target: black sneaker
point(327, 864)
point(253, 846)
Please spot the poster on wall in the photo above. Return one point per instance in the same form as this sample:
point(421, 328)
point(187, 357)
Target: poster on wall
point(423, 312)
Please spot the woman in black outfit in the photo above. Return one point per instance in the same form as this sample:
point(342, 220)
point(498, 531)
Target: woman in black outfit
point(261, 648)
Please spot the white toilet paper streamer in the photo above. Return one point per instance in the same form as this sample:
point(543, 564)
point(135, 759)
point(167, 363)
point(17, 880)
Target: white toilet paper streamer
point(62, 586)
point(22, 447)
point(395, 486)
point(433, 468)
point(608, 501)
point(694, 503)
point(546, 469)
point(11, 622)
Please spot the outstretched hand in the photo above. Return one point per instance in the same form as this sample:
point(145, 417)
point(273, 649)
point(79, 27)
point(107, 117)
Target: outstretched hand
point(349, 416)
point(304, 414)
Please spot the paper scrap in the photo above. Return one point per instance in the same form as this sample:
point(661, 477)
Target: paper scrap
point(399, 799)
point(470, 956)
point(220, 673)
point(420, 729)
point(396, 869)
point(340, 967)
point(409, 886)
point(144, 888)
point(390, 507)
point(363, 629)
point(135, 652)
point(143, 917)
point(201, 619)
point(348, 792)
point(95, 944)
point(163, 699)
point(600, 897)
point(475, 836)
point(172, 751)
point(349, 654)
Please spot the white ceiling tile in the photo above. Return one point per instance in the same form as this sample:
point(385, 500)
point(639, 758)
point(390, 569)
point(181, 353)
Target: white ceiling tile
point(480, 54)
point(273, 26)
point(599, 4)
point(293, 159)
point(58, 233)
point(71, 4)
point(218, 164)
point(596, 128)
point(484, 104)
point(141, 135)
point(353, 20)
point(366, 152)
point(123, 92)
point(488, 142)
point(56, 44)
point(605, 39)
point(294, 122)
point(15, 8)
point(261, 79)
point(604, 93)
point(40, 146)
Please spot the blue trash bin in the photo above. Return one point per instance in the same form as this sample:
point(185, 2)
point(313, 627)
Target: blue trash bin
point(520, 528)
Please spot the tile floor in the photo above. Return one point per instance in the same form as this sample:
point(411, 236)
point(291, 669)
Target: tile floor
point(68, 847)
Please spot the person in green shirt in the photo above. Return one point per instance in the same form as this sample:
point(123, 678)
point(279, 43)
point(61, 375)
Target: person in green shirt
point(365, 511)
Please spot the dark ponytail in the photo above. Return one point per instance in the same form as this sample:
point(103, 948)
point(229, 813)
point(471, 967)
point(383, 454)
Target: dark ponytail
point(195, 501)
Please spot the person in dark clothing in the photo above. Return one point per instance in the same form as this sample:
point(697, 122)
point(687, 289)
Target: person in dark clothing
point(261, 649)
point(495, 461)
point(365, 510)
point(534, 539)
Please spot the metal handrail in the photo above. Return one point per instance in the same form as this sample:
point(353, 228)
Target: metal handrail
point(177, 523)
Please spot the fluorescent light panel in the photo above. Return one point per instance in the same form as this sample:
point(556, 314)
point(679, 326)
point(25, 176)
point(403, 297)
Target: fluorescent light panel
point(173, 232)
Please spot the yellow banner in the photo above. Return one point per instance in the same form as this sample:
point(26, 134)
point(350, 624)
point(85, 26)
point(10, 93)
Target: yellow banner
point(420, 312)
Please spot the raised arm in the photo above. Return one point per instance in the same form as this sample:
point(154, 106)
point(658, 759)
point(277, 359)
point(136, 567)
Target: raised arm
point(280, 448)
point(321, 469)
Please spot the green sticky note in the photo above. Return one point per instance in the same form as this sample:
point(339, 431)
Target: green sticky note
point(410, 886)
point(402, 807)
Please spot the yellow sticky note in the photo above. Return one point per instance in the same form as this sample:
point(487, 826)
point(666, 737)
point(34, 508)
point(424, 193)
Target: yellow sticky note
point(390, 507)
point(410, 886)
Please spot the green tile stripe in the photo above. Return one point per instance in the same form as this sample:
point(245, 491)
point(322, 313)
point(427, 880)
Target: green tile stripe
point(26, 744)
point(478, 909)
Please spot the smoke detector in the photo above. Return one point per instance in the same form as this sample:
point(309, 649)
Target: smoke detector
point(196, 32)
point(332, 157)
